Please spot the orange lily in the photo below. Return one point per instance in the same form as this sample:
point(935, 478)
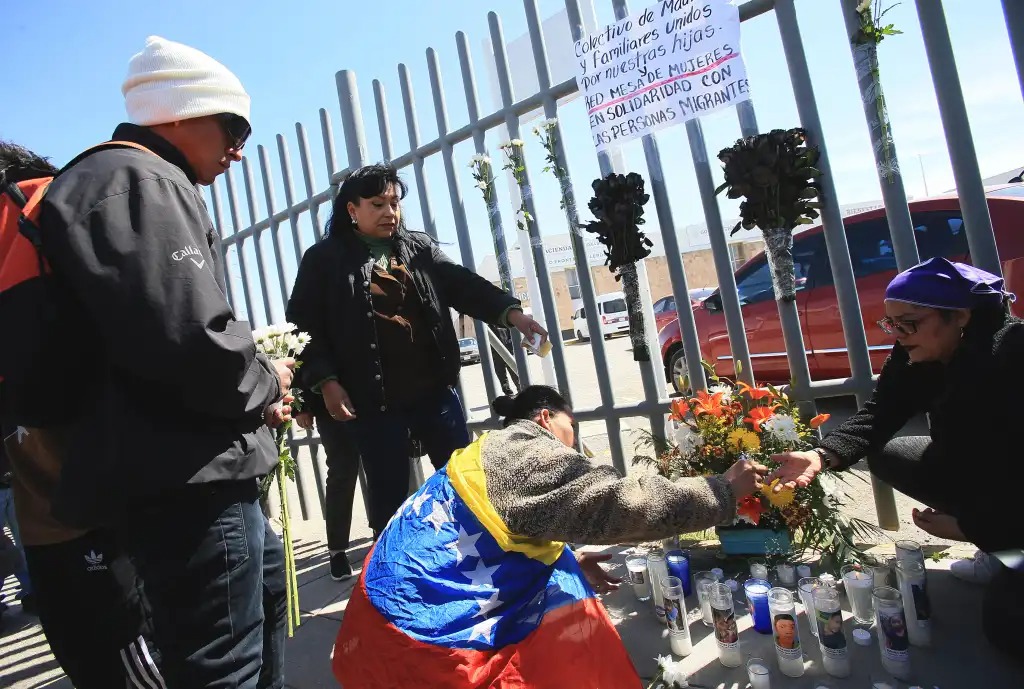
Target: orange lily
point(679, 409)
point(758, 415)
point(751, 508)
point(820, 419)
point(705, 403)
point(756, 393)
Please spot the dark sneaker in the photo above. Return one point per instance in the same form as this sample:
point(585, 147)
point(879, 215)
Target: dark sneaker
point(340, 568)
point(28, 605)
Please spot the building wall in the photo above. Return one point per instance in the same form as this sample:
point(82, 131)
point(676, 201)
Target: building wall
point(699, 267)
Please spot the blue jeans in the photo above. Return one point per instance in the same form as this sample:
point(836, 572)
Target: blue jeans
point(8, 518)
point(437, 421)
point(213, 573)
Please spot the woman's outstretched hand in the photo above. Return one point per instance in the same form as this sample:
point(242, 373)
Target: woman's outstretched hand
point(745, 478)
point(597, 576)
point(796, 470)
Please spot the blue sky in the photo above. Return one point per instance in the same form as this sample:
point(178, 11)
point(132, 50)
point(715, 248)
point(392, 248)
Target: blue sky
point(287, 58)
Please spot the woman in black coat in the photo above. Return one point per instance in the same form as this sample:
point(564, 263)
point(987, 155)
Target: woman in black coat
point(376, 300)
point(959, 357)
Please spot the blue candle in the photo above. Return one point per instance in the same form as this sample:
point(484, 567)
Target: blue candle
point(757, 603)
point(679, 566)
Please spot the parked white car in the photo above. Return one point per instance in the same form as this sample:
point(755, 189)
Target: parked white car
point(613, 315)
point(469, 351)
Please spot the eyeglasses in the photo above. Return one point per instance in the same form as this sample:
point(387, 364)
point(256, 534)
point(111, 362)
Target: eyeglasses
point(236, 128)
point(891, 326)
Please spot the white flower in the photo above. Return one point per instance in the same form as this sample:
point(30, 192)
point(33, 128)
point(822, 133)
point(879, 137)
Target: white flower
point(726, 391)
point(687, 439)
point(783, 427)
point(482, 185)
point(672, 672)
point(550, 124)
point(864, 6)
point(479, 159)
point(517, 142)
point(505, 145)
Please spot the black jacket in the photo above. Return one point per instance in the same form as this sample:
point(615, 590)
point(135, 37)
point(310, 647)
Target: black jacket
point(974, 407)
point(166, 381)
point(331, 301)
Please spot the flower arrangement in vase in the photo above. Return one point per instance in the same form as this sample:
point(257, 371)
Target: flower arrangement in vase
point(730, 422)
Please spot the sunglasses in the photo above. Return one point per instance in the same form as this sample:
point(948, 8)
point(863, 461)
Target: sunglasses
point(891, 326)
point(236, 128)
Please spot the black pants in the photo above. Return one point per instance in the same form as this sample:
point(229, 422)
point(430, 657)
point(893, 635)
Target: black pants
point(899, 464)
point(437, 421)
point(213, 573)
point(342, 473)
point(93, 613)
point(502, 370)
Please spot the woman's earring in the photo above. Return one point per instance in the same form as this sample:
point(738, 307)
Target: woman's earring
point(353, 218)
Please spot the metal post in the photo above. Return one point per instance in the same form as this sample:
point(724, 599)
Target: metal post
point(493, 212)
point(865, 60)
point(329, 156)
point(355, 146)
point(243, 265)
point(586, 281)
point(289, 196)
point(309, 181)
point(957, 127)
point(1013, 11)
point(720, 252)
point(275, 230)
point(547, 300)
point(458, 209)
point(789, 313)
point(427, 213)
point(835, 236)
point(531, 271)
point(257, 235)
point(222, 251)
point(383, 121)
point(651, 375)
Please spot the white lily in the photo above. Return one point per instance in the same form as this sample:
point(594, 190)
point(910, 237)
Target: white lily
point(672, 672)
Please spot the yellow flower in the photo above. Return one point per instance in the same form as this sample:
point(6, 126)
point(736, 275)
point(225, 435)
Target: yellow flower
point(742, 440)
point(781, 499)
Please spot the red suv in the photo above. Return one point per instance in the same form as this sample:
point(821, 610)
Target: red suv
point(939, 228)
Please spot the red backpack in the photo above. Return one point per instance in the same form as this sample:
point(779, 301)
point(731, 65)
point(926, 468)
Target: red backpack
point(27, 310)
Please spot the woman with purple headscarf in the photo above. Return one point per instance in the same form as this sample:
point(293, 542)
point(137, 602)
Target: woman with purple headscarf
point(959, 357)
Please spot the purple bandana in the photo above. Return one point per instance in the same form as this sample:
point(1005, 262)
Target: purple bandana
point(940, 284)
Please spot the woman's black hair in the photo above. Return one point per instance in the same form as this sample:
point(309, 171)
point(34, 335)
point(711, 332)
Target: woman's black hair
point(986, 321)
point(530, 402)
point(365, 183)
point(17, 163)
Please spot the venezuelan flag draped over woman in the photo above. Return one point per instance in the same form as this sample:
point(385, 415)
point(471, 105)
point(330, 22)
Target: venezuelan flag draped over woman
point(471, 583)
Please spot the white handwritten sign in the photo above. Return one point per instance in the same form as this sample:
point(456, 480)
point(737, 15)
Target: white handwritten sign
point(673, 61)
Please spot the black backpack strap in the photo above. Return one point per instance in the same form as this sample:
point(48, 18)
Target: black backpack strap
point(12, 190)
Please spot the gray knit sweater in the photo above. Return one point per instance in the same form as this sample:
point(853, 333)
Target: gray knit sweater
point(543, 489)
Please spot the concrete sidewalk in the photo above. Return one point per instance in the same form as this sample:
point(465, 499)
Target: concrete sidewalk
point(959, 657)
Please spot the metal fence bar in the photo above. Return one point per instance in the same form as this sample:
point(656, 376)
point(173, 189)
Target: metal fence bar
point(355, 148)
point(309, 181)
point(275, 229)
point(222, 250)
point(835, 237)
point(329, 156)
point(289, 196)
point(720, 253)
point(427, 213)
point(243, 264)
point(789, 312)
point(957, 127)
point(383, 121)
point(493, 211)
point(458, 213)
point(1013, 11)
point(897, 212)
point(250, 198)
point(533, 227)
point(651, 375)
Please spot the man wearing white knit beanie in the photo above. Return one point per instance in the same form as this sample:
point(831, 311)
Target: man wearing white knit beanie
point(170, 421)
